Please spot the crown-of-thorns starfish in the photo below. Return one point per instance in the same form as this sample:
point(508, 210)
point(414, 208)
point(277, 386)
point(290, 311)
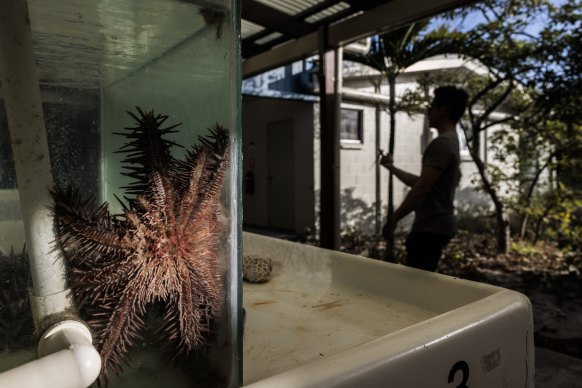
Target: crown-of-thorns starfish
point(162, 249)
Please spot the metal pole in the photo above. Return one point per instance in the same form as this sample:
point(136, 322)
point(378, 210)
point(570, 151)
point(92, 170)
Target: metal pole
point(378, 202)
point(330, 82)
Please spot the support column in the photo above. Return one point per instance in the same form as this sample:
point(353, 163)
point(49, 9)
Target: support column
point(378, 167)
point(330, 83)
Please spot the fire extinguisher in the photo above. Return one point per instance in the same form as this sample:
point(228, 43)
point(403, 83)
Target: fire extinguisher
point(249, 182)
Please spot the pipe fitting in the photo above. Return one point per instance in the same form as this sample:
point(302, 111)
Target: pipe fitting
point(68, 360)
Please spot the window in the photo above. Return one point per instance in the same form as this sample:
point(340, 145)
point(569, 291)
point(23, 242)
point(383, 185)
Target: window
point(463, 145)
point(351, 126)
point(297, 67)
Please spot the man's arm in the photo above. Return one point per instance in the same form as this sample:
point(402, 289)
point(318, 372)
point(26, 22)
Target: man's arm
point(422, 186)
point(407, 178)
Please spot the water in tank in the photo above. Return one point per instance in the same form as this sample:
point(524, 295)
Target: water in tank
point(141, 101)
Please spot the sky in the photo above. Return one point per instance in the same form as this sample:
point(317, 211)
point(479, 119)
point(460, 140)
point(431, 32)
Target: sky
point(475, 18)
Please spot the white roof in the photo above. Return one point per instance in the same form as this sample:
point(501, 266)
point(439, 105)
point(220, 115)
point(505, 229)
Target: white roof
point(447, 61)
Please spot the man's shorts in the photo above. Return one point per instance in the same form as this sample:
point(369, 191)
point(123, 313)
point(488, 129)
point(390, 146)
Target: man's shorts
point(423, 249)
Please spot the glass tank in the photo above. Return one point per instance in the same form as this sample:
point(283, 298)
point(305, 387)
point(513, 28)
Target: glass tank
point(141, 105)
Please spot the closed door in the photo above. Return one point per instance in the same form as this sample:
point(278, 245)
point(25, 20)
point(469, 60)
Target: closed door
point(280, 174)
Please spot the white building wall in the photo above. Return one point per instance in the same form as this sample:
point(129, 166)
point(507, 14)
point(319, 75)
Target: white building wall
point(357, 161)
point(358, 174)
point(357, 166)
point(408, 150)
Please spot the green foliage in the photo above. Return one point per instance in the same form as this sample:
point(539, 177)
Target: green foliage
point(392, 52)
point(561, 78)
point(557, 217)
point(533, 78)
point(472, 220)
point(353, 240)
point(523, 248)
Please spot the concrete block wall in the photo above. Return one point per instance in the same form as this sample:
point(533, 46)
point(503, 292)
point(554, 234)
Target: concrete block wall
point(357, 165)
point(358, 174)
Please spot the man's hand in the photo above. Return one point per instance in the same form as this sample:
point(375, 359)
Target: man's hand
point(388, 229)
point(386, 160)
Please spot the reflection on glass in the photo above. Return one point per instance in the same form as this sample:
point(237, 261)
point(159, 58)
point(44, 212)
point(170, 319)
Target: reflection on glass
point(96, 61)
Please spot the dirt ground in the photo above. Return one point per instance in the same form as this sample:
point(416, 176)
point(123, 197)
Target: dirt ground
point(550, 277)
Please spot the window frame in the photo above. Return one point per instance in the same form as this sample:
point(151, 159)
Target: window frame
point(359, 126)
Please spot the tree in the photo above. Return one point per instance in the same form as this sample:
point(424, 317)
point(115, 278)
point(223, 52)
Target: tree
point(391, 53)
point(500, 43)
point(557, 118)
point(532, 76)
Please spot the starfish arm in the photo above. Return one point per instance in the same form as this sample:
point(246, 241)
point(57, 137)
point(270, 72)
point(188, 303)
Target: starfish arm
point(203, 261)
point(147, 150)
point(197, 297)
point(193, 173)
point(216, 166)
point(208, 283)
point(185, 324)
point(80, 223)
point(211, 181)
point(118, 323)
point(92, 281)
point(163, 196)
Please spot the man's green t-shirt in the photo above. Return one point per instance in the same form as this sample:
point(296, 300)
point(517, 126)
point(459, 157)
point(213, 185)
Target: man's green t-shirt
point(437, 213)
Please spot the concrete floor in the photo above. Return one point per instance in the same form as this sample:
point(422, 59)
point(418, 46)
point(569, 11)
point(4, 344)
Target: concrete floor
point(557, 370)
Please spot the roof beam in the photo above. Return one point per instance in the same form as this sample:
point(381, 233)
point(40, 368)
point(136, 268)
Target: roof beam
point(364, 4)
point(250, 48)
point(316, 8)
point(274, 20)
point(385, 17)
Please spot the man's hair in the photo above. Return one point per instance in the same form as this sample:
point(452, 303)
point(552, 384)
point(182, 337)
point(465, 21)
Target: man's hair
point(452, 97)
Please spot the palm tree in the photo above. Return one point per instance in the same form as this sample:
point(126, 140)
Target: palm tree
point(391, 53)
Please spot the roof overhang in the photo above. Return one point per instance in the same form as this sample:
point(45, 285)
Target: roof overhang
point(295, 36)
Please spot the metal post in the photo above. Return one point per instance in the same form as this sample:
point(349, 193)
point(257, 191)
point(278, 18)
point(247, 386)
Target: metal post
point(378, 169)
point(330, 81)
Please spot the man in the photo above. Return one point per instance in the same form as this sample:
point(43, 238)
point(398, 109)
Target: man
point(432, 193)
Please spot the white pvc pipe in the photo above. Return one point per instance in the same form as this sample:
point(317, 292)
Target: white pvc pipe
point(358, 47)
point(31, 158)
point(70, 361)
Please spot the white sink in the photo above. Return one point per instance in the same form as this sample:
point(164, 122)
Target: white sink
point(329, 319)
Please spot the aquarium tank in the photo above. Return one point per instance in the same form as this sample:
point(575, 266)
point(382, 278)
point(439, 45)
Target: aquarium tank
point(141, 106)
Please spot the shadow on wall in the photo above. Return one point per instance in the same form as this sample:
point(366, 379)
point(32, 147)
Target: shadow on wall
point(356, 213)
point(473, 208)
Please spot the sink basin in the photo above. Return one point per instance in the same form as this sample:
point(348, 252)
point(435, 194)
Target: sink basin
point(329, 319)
